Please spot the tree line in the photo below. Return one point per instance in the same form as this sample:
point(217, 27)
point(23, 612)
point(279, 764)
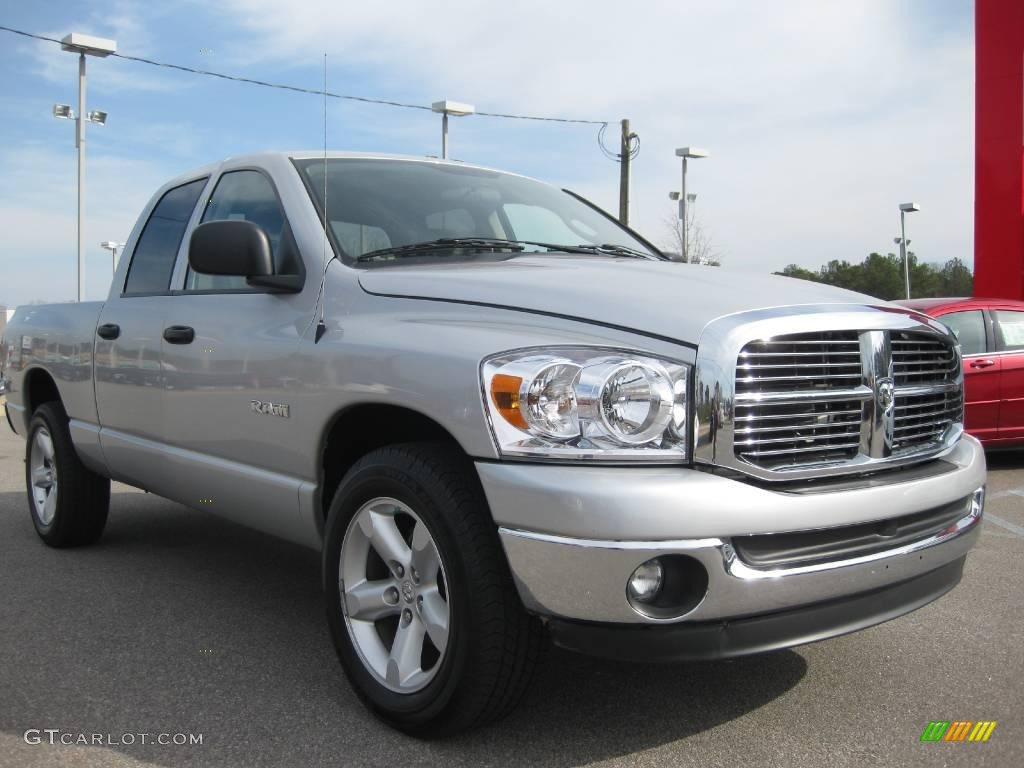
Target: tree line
point(881, 275)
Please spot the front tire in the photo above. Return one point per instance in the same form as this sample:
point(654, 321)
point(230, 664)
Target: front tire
point(422, 609)
point(69, 502)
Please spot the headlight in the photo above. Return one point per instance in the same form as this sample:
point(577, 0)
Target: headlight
point(578, 403)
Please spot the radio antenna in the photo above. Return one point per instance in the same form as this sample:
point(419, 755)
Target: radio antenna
point(321, 326)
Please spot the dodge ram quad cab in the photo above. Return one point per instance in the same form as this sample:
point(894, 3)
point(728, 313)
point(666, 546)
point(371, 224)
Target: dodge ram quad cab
point(503, 418)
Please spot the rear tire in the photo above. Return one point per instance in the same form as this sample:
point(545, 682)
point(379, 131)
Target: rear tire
point(68, 502)
point(487, 645)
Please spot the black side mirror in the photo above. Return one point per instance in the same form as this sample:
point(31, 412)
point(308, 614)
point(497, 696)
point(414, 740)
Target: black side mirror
point(231, 247)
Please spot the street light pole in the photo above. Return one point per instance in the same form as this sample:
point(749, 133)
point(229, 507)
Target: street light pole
point(446, 108)
point(80, 145)
point(84, 45)
point(906, 208)
point(687, 153)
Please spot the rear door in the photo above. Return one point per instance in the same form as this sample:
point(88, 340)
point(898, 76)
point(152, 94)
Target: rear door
point(129, 377)
point(981, 372)
point(1009, 332)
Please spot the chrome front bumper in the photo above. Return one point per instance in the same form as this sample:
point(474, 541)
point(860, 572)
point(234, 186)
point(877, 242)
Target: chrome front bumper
point(567, 574)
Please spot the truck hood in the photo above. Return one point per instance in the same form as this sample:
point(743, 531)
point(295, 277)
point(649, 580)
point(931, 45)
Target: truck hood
point(658, 298)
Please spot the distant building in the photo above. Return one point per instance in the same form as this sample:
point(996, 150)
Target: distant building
point(5, 315)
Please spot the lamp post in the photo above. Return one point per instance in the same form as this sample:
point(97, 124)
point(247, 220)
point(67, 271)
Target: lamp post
point(113, 247)
point(906, 208)
point(687, 153)
point(83, 45)
point(446, 108)
point(679, 215)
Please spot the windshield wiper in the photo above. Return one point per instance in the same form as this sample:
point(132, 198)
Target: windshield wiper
point(443, 244)
point(620, 250)
point(498, 244)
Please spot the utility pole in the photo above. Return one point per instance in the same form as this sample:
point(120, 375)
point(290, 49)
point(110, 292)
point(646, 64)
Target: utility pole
point(625, 155)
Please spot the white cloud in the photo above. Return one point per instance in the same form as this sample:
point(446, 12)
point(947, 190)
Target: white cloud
point(38, 204)
point(120, 22)
point(821, 117)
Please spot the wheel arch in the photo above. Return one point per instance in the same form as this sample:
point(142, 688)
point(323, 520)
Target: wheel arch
point(38, 387)
point(356, 430)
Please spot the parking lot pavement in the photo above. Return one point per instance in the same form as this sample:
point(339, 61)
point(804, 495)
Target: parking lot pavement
point(180, 623)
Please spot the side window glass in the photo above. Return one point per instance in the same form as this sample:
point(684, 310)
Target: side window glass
point(1010, 334)
point(245, 196)
point(969, 328)
point(153, 259)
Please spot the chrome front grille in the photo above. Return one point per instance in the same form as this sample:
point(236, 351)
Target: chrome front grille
point(918, 359)
point(833, 398)
point(928, 402)
point(776, 423)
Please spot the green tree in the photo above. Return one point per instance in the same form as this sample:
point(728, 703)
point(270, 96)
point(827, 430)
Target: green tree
point(957, 279)
point(881, 275)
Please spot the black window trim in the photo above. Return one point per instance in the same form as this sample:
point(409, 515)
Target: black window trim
point(294, 284)
point(124, 294)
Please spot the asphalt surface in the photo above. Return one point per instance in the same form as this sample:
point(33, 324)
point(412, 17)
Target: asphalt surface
point(177, 622)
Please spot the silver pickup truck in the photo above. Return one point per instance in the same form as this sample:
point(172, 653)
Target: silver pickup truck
point(501, 417)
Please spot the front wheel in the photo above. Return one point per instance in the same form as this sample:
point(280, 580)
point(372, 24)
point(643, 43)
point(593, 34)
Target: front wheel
point(422, 609)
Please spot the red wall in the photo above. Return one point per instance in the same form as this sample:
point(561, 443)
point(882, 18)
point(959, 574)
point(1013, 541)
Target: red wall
point(999, 149)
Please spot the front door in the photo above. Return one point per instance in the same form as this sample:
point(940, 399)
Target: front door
point(230, 354)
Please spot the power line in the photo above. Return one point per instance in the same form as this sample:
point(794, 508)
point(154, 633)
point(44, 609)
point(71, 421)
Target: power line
point(299, 89)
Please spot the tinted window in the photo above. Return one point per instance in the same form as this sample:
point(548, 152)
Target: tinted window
point(246, 196)
point(969, 328)
point(153, 259)
point(1011, 329)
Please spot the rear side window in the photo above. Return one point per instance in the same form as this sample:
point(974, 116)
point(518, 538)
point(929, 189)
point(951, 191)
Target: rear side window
point(153, 259)
point(969, 328)
point(1010, 333)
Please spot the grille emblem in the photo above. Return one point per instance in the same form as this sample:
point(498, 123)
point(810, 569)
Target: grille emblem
point(885, 394)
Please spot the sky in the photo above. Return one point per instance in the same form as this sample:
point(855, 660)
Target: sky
point(820, 117)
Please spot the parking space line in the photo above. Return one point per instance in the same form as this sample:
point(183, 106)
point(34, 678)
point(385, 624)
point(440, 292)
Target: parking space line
point(1019, 530)
point(1004, 494)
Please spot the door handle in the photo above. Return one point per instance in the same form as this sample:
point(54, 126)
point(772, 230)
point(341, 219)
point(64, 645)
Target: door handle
point(109, 331)
point(982, 363)
point(179, 334)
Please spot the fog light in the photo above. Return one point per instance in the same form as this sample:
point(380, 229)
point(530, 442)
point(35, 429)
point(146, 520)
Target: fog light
point(645, 583)
point(978, 502)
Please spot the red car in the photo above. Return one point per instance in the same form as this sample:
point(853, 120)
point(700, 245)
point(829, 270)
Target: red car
point(991, 333)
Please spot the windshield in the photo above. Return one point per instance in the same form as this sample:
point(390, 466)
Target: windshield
point(379, 205)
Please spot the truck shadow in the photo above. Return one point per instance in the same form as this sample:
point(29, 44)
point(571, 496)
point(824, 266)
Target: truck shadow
point(1005, 458)
point(178, 622)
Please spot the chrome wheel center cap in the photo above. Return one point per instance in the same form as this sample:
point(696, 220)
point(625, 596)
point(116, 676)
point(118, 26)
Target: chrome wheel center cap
point(407, 591)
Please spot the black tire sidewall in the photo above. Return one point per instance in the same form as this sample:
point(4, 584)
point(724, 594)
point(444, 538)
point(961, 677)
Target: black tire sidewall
point(83, 497)
point(48, 416)
point(379, 478)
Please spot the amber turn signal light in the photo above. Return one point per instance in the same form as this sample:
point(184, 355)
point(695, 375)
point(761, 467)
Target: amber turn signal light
point(505, 395)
